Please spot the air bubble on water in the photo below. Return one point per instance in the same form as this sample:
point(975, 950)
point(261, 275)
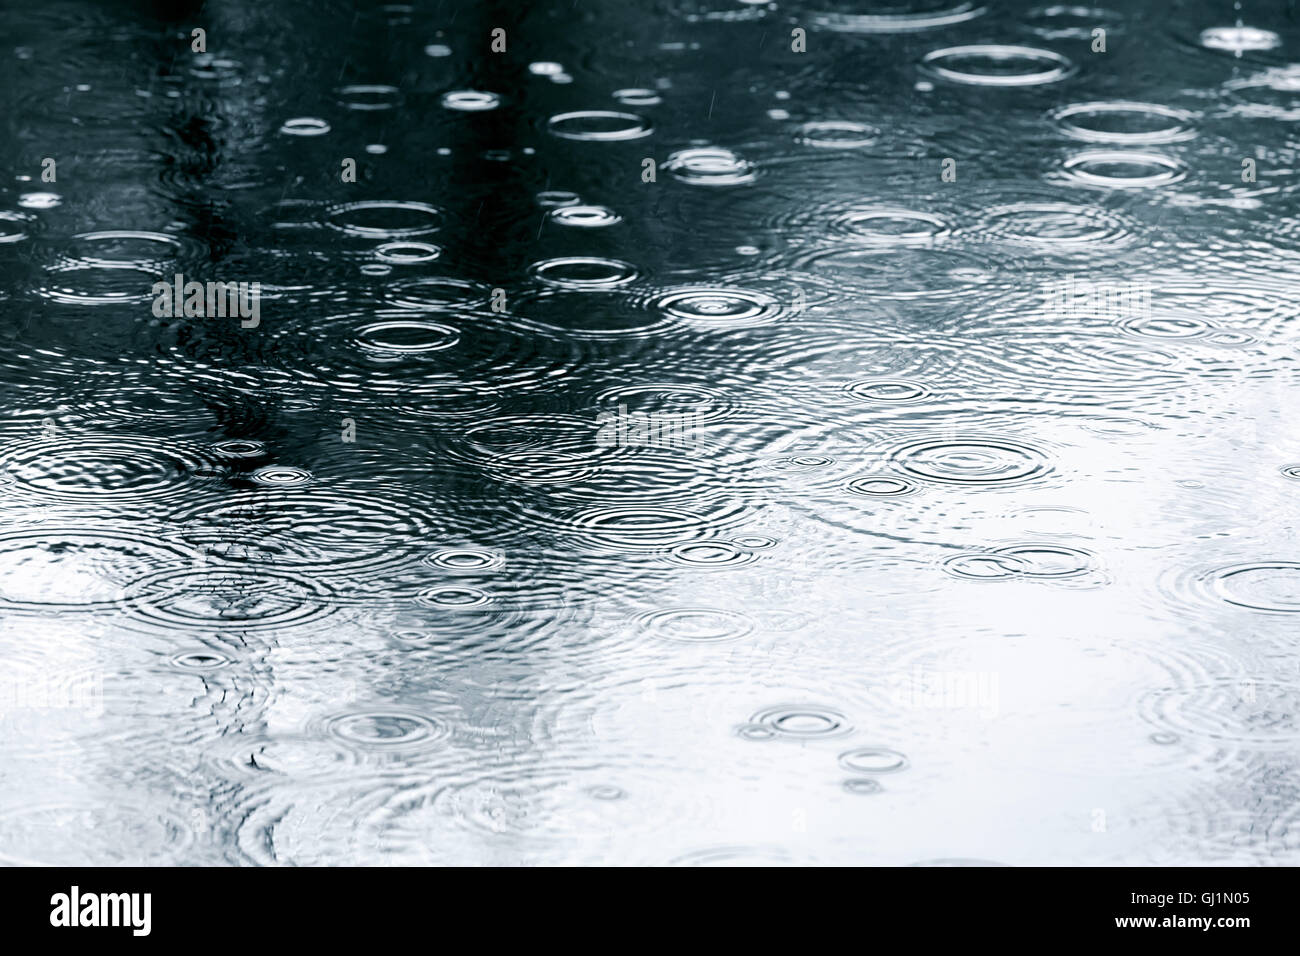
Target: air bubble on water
point(41, 200)
point(1124, 122)
point(997, 65)
point(1239, 39)
point(281, 475)
point(305, 126)
point(465, 560)
point(407, 253)
point(710, 166)
point(387, 729)
point(384, 218)
point(893, 392)
point(584, 217)
point(1123, 169)
point(470, 101)
point(240, 448)
point(402, 337)
point(897, 18)
point(369, 96)
point(837, 134)
point(583, 272)
point(801, 722)
point(873, 760)
point(556, 197)
point(638, 97)
point(452, 596)
point(599, 126)
point(880, 486)
point(200, 661)
point(720, 306)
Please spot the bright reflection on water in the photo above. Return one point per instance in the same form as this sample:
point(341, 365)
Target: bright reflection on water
point(903, 472)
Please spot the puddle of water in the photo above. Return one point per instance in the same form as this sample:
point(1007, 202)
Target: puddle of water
point(673, 446)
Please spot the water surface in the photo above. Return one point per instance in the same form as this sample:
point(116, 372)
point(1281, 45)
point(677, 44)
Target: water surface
point(903, 473)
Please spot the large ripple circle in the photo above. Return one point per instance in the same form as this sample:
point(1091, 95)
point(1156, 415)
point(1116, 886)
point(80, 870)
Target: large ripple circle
point(972, 461)
point(598, 126)
point(997, 65)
